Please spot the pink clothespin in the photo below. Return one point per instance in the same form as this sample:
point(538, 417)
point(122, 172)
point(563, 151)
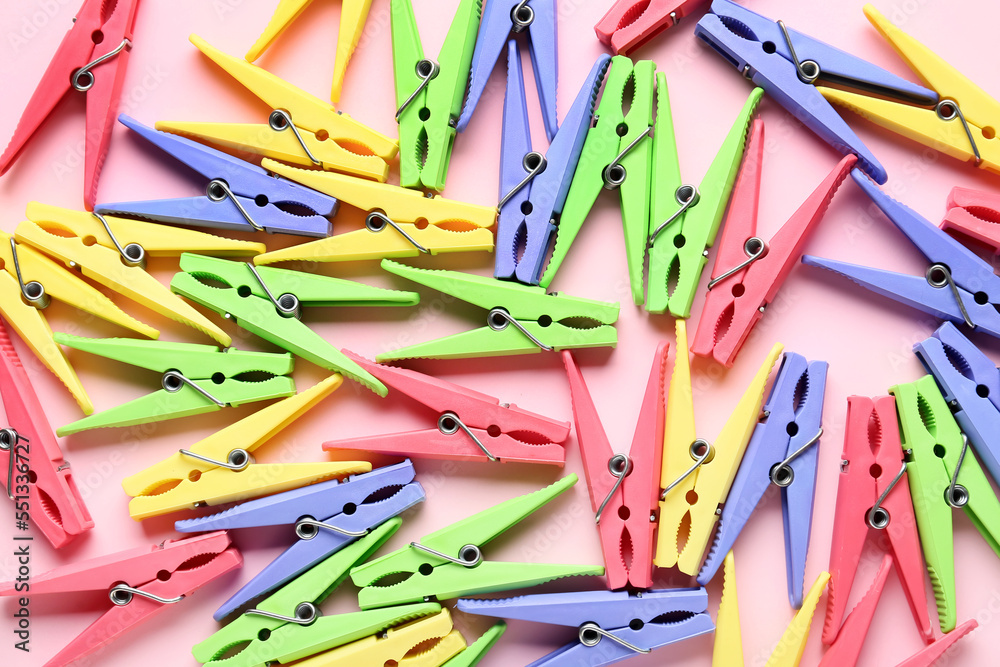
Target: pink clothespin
point(631, 23)
point(928, 656)
point(847, 648)
point(974, 214)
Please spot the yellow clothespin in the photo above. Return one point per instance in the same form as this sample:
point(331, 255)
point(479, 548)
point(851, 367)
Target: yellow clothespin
point(399, 223)
point(112, 252)
point(301, 129)
point(696, 475)
point(728, 651)
point(791, 646)
point(353, 14)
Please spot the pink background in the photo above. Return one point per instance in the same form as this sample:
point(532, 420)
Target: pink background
point(866, 339)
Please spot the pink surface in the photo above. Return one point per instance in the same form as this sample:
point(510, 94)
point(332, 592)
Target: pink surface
point(866, 339)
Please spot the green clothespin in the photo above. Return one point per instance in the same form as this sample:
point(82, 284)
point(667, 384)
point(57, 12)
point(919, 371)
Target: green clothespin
point(522, 319)
point(287, 625)
point(196, 379)
point(944, 475)
point(449, 563)
point(429, 94)
point(267, 302)
point(478, 649)
point(684, 220)
point(617, 155)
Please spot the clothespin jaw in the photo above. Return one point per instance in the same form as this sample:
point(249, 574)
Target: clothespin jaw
point(928, 656)
point(693, 493)
point(28, 439)
point(302, 129)
point(84, 64)
point(960, 121)
point(522, 319)
point(623, 491)
point(684, 220)
point(974, 214)
point(728, 647)
point(448, 572)
point(196, 379)
point(429, 93)
point(846, 650)
point(938, 457)
point(791, 646)
point(353, 14)
point(478, 649)
point(470, 426)
point(399, 222)
point(630, 24)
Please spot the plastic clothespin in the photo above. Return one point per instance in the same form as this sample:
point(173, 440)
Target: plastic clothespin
point(301, 129)
point(116, 256)
point(268, 302)
point(684, 219)
point(845, 651)
point(533, 186)
point(195, 379)
point(478, 649)
point(353, 14)
point(624, 492)
point(221, 468)
point(502, 20)
point(471, 426)
point(429, 93)
point(928, 656)
point(522, 319)
point(791, 646)
point(86, 64)
point(974, 214)
point(696, 475)
point(327, 517)
point(944, 476)
point(792, 68)
point(958, 285)
point(449, 563)
point(617, 154)
point(783, 451)
point(288, 625)
point(239, 196)
point(728, 648)
point(931, 122)
point(398, 222)
point(748, 270)
point(874, 493)
point(612, 626)
point(141, 583)
point(29, 446)
point(630, 24)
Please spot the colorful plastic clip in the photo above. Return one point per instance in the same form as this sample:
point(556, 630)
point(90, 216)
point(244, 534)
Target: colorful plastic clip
point(792, 68)
point(611, 626)
point(398, 222)
point(239, 196)
point(845, 651)
point(928, 656)
point(470, 426)
point(696, 475)
point(783, 451)
point(624, 492)
point(728, 648)
point(974, 214)
point(85, 64)
point(141, 583)
point(629, 24)
point(791, 646)
point(195, 379)
point(748, 270)
point(449, 563)
point(29, 446)
point(521, 320)
point(429, 93)
point(327, 517)
point(301, 129)
point(478, 649)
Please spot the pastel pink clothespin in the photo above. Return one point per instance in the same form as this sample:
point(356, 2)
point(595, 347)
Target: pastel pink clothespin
point(974, 214)
point(847, 648)
point(928, 656)
point(631, 23)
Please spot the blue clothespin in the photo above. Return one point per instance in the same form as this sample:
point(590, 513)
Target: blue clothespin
point(784, 451)
point(792, 67)
point(957, 286)
point(500, 19)
point(239, 195)
point(327, 517)
point(612, 626)
point(533, 187)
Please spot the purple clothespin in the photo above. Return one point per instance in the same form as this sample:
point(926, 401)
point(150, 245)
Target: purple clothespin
point(239, 195)
point(957, 285)
point(612, 626)
point(327, 517)
point(784, 451)
point(791, 67)
point(501, 19)
point(533, 187)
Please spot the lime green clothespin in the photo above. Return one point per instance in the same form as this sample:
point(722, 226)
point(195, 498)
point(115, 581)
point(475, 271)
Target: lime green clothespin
point(478, 649)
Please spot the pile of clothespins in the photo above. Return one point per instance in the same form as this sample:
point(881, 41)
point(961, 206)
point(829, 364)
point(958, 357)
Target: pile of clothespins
point(675, 499)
